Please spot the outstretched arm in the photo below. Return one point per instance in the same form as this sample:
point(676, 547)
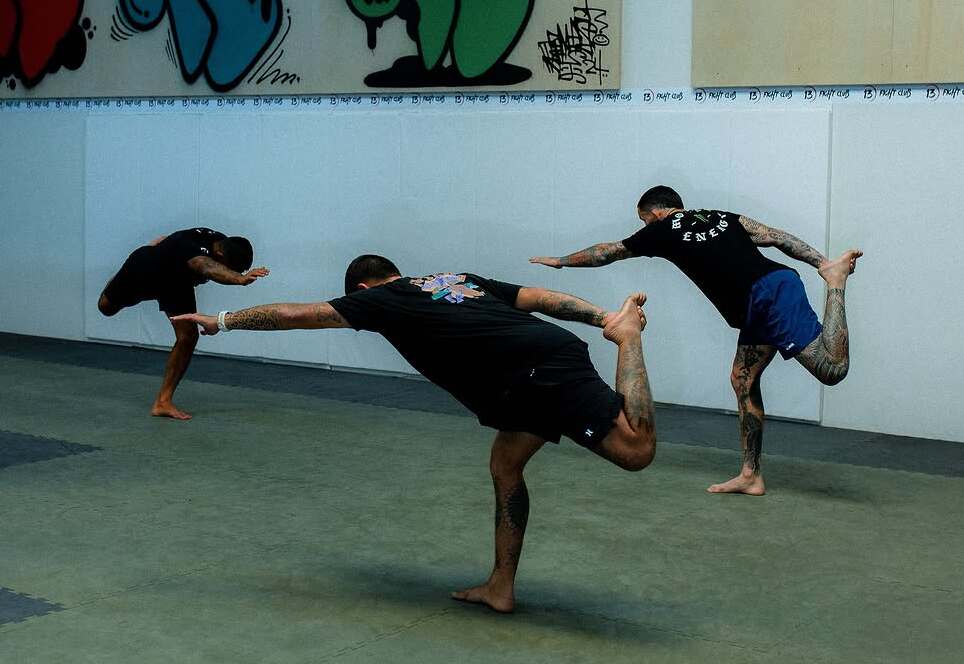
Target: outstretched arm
point(272, 317)
point(560, 305)
point(594, 256)
point(222, 274)
point(764, 236)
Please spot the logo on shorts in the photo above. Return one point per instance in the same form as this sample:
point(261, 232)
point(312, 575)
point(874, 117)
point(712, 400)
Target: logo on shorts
point(452, 287)
point(589, 433)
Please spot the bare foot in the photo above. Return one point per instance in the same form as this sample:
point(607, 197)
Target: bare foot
point(835, 272)
point(751, 485)
point(485, 594)
point(168, 409)
point(628, 322)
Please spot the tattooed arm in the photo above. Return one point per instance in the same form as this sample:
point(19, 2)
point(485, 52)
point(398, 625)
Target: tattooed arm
point(594, 256)
point(560, 305)
point(222, 274)
point(764, 236)
point(273, 317)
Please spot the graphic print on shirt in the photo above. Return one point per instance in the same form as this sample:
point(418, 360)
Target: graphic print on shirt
point(451, 287)
point(701, 225)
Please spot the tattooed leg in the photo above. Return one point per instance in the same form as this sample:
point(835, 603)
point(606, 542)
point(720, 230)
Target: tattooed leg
point(186, 339)
point(748, 366)
point(510, 453)
point(828, 356)
point(631, 444)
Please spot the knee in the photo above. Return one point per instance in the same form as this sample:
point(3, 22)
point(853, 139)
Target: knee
point(740, 384)
point(105, 307)
point(642, 453)
point(187, 337)
point(836, 373)
point(503, 470)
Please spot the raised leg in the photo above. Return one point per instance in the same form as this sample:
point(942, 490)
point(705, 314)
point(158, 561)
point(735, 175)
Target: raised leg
point(828, 356)
point(631, 444)
point(186, 337)
point(511, 451)
point(748, 366)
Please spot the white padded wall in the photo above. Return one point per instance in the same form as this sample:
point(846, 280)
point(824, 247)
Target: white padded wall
point(897, 195)
point(42, 224)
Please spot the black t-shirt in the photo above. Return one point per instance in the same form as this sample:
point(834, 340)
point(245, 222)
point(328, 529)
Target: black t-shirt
point(714, 250)
point(170, 256)
point(461, 331)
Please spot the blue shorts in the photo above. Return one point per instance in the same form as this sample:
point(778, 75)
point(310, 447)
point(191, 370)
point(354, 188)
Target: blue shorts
point(780, 315)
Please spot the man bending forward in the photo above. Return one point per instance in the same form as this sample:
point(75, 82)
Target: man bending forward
point(529, 379)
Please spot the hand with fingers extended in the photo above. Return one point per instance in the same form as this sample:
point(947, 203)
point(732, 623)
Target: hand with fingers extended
point(208, 324)
point(548, 261)
point(254, 274)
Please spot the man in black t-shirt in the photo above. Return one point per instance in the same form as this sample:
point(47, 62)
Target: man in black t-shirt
point(527, 378)
point(167, 270)
point(765, 300)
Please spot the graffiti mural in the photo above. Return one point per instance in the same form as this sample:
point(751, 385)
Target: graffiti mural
point(221, 39)
point(190, 48)
point(476, 36)
point(38, 38)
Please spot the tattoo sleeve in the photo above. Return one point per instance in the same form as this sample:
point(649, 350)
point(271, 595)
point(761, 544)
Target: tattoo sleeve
point(765, 236)
point(211, 269)
point(269, 317)
point(569, 307)
point(597, 255)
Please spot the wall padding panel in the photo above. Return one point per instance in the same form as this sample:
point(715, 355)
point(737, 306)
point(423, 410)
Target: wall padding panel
point(896, 194)
point(42, 224)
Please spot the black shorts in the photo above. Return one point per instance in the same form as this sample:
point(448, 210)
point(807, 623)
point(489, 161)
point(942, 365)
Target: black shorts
point(137, 281)
point(561, 396)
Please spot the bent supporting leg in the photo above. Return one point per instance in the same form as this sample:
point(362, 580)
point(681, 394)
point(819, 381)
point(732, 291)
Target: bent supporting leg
point(511, 451)
point(748, 366)
point(186, 337)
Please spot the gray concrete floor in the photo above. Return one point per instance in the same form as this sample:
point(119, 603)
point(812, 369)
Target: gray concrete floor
point(325, 517)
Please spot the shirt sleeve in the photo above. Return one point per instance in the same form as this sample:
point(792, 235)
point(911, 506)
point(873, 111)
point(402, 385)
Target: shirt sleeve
point(186, 246)
point(503, 290)
point(647, 241)
point(360, 309)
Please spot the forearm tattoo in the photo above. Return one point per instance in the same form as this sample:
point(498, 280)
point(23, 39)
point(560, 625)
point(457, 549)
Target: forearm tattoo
point(266, 317)
point(791, 245)
point(570, 307)
point(596, 255)
point(215, 271)
point(511, 518)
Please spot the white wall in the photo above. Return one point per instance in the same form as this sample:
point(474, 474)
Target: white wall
point(897, 194)
point(42, 224)
point(484, 190)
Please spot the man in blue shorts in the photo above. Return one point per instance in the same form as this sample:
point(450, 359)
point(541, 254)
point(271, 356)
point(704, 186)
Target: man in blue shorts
point(764, 299)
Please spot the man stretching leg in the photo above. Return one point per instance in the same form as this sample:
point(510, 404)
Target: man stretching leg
point(527, 378)
point(762, 298)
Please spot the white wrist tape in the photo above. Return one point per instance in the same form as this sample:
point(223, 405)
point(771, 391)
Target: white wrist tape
point(221, 324)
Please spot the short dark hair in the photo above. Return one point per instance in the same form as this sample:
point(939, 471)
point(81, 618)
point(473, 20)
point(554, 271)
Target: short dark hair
point(237, 252)
point(659, 197)
point(368, 267)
